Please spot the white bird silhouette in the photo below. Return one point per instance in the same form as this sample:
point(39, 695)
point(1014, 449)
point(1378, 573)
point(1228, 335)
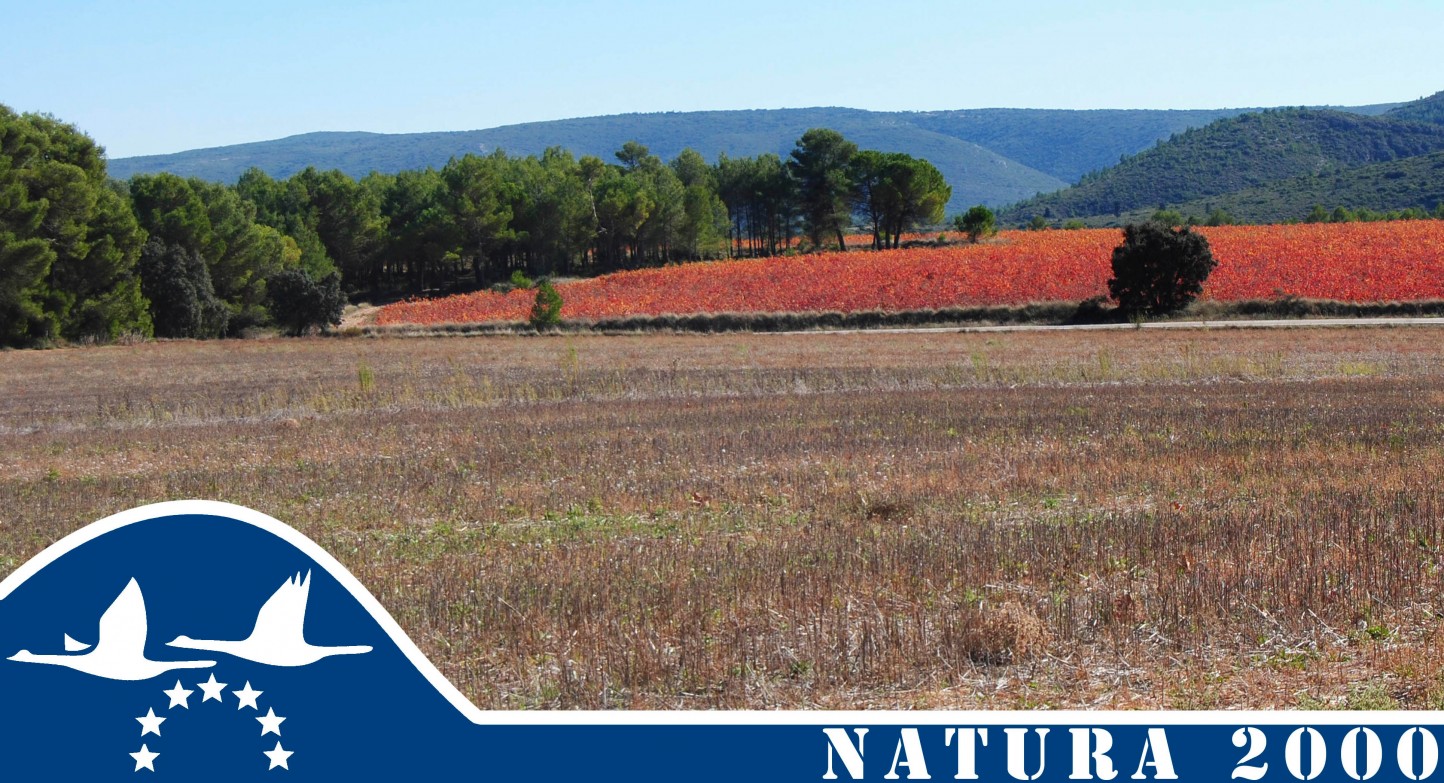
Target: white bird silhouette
point(277, 639)
point(119, 651)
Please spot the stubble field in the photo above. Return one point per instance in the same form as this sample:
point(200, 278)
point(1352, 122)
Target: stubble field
point(1182, 519)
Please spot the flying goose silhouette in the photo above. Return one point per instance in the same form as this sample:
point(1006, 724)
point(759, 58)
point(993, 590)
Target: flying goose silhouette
point(119, 652)
point(277, 638)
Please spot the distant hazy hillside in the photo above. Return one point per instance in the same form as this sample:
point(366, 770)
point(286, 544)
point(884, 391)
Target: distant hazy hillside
point(992, 156)
point(976, 174)
point(1234, 154)
point(1066, 144)
point(1069, 144)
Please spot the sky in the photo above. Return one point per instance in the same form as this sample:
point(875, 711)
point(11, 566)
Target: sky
point(148, 77)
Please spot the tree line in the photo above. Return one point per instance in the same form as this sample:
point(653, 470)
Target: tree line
point(480, 218)
point(84, 257)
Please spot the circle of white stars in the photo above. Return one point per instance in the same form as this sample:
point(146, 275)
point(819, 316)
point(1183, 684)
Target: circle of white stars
point(212, 690)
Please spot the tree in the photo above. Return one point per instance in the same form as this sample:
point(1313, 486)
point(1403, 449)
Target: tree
point(480, 201)
point(819, 165)
point(216, 225)
point(546, 309)
point(621, 206)
point(68, 241)
point(895, 192)
point(873, 194)
point(552, 213)
point(1219, 217)
point(171, 211)
point(347, 220)
point(241, 255)
point(661, 231)
point(634, 155)
point(25, 261)
point(1168, 217)
point(299, 303)
point(182, 301)
point(286, 206)
point(424, 235)
point(761, 201)
point(1159, 269)
point(921, 196)
point(703, 230)
point(977, 223)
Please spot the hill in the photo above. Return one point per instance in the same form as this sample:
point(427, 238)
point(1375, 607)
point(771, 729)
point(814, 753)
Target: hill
point(1429, 109)
point(1064, 143)
point(1381, 187)
point(991, 156)
point(1234, 154)
point(1070, 144)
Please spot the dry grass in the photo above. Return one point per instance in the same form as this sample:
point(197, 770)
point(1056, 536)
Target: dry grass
point(1131, 519)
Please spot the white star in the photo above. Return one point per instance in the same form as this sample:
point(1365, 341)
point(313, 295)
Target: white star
point(150, 724)
point(270, 723)
point(247, 697)
point(144, 759)
point(211, 689)
point(278, 756)
point(178, 696)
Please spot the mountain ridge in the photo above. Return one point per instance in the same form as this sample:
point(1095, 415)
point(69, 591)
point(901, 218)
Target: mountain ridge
point(989, 177)
point(994, 156)
point(968, 156)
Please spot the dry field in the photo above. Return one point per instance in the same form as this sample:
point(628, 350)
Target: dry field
point(1131, 519)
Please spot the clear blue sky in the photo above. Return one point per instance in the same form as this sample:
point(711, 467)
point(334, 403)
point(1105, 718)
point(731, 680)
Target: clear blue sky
point(149, 77)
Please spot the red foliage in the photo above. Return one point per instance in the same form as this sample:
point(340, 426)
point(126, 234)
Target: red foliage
point(1355, 262)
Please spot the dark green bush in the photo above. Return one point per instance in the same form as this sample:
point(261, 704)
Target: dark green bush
point(1159, 269)
point(299, 303)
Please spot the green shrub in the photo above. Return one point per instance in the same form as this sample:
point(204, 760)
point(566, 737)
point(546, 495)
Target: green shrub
point(546, 311)
point(977, 223)
point(520, 280)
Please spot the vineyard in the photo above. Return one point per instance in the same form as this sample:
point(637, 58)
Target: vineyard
point(1350, 262)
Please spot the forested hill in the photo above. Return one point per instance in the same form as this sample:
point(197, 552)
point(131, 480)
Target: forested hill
point(1407, 183)
point(1429, 109)
point(992, 156)
point(1234, 154)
